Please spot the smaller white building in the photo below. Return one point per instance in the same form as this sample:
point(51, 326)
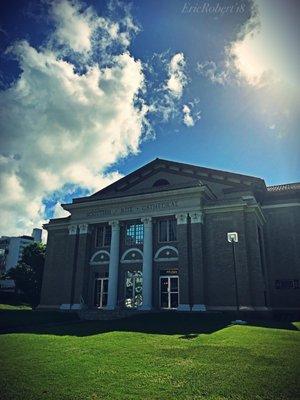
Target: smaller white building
point(11, 251)
point(15, 250)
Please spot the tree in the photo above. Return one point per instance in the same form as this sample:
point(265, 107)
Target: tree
point(28, 273)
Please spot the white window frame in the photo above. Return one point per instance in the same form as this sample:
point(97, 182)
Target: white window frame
point(101, 292)
point(169, 291)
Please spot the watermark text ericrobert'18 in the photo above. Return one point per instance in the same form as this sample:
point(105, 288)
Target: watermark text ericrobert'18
point(204, 7)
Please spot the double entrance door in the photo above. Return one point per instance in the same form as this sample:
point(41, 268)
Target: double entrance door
point(101, 291)
point(169, 292)
point(133, 289)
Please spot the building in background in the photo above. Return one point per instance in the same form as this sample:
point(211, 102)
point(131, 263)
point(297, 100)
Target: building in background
point(37, 235)
point(11, 251)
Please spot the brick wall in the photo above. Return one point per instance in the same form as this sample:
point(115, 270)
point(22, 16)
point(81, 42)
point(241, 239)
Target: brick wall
point(56, 287)
point(282, 238)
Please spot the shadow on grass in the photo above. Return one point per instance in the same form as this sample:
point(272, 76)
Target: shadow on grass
point(188, 326)
point(19, 318)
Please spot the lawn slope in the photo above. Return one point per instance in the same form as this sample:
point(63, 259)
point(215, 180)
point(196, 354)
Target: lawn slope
point(157, 357)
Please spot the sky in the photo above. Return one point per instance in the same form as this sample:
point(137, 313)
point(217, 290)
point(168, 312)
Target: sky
point(90, 91)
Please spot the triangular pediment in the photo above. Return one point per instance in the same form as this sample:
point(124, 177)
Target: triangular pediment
point(161, 175)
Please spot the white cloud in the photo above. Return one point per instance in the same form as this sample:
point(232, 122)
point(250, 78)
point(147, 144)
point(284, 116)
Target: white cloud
point(79, 29)
point(74, 27)
point(59, 126)
point(166, 96)
point(177, 78)
point(187, 117)
point(210, 70)
point(77, 107)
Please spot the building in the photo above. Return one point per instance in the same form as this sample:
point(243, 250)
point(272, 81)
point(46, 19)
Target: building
point(157, 239)
point(37, 235)
point(11, 251)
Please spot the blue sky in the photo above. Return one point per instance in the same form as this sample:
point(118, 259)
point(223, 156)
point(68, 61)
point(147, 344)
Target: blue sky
point(93, 90)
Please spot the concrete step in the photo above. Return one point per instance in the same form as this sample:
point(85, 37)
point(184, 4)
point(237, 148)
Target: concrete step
point(96, 314)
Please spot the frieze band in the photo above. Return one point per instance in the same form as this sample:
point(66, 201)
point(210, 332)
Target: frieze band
point(133, 209)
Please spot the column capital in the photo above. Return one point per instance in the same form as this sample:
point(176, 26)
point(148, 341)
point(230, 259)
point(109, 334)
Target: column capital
point(114, 224)
point(147, 220)
point(83, 229)
point(72, 229)
point(196, 217)
point(181, 218)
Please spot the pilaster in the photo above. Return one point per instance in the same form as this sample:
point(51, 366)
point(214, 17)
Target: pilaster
point(70, 265)
point(183, 261)
point(113, 265)
point(82, 268)
point(197, 267)
point(147, 264)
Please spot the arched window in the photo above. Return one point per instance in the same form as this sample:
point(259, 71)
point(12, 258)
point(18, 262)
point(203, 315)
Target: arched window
point(161, 182)
point(132, 256)
point(100, 257)
point(166, 253)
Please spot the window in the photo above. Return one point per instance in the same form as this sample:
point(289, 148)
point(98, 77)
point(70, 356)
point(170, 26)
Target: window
point(134, 234)
point(161, 182)
point(167, 230)
point(287, 284)
point(103, 236)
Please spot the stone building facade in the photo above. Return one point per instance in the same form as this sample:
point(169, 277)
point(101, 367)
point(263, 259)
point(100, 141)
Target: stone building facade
point(157, 239)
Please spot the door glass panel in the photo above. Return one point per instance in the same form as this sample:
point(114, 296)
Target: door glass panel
point(105, 285)
point(164, 300)
point(101, 286)
point(104, 300)
point(138, 287)
point(133, 289)
point(164, 284)
point(169, 296)
point(97, 292)
point(174, 284)
point(174, 300)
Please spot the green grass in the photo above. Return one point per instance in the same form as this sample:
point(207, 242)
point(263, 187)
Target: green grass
point(158, 356)
point(23, 306)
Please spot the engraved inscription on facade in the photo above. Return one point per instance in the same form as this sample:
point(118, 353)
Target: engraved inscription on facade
point(165, 205)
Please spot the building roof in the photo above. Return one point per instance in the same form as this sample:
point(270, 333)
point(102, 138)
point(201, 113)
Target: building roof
point(194, 176)
point(284, 188)
point(216, 182)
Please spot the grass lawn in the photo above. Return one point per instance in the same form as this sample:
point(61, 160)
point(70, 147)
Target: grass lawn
point(157, 356)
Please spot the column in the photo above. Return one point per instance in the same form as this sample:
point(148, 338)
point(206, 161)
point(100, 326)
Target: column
point(197, 261)
point(183, 260)
point(82, 269)
point(147, 264)
point(67, 274)
point(113, 266)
